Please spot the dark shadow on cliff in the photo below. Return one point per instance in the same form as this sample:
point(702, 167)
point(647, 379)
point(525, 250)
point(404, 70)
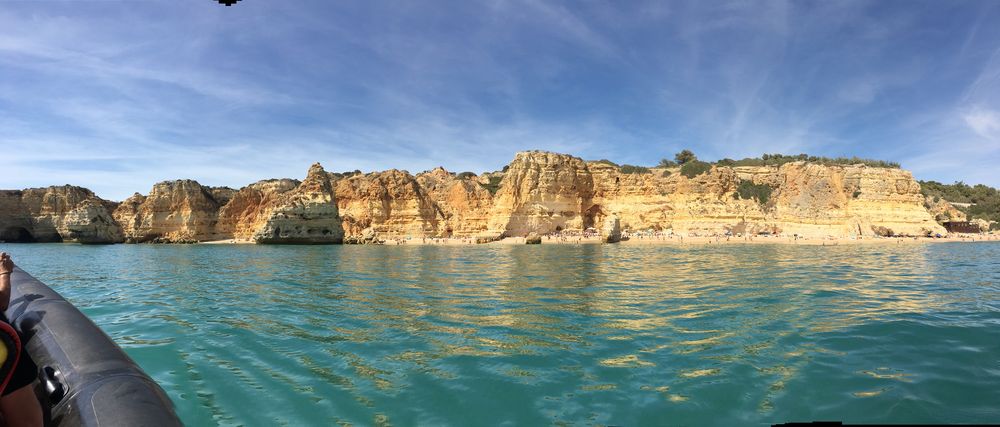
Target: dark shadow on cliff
point(16, 235)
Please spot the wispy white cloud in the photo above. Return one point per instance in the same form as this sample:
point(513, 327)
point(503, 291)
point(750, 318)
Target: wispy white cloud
point(116, 96)
point(984, 122)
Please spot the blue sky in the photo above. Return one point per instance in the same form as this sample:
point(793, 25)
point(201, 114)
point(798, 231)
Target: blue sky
point(118, 95)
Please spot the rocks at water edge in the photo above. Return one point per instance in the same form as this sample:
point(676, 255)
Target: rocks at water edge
point(307, 214)
point(181, 211)
point(543, 192)
point(539, 192)
point(250, 208)
point(612, 230)
point(57, 214)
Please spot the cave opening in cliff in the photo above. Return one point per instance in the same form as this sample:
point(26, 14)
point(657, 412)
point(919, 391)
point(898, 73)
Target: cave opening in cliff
point(16, 235)
point(591, 216)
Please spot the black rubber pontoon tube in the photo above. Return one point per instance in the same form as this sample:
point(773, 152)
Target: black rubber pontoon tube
point(85, 379)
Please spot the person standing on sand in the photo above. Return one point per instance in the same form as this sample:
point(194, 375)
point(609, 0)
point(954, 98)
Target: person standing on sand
point(18, 403)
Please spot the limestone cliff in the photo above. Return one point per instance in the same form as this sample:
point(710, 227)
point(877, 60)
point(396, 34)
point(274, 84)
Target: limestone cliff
point(57, 214)
point(663, 199)
point(395, 204)
point(538, 192)
point(391, 204)
point(858, 200)
point(307, 214)
point(545, 192)
point(462, 201)
point(174, 211)
point(250, 208)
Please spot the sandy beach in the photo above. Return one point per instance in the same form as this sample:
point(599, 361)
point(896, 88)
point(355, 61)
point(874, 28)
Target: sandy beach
point(675, 240)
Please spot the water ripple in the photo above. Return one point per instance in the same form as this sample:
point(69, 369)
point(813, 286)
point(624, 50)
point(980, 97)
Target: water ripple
point(589, 334)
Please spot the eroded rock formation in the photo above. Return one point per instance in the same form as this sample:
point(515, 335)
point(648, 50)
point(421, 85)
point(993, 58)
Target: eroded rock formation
point(57, 214)
point(179, 211)
point(539, 192)
point(547, 192)
point(251, 206)
point(306, 214)
point(543, 192)
point(943, 210)
point(390, 204)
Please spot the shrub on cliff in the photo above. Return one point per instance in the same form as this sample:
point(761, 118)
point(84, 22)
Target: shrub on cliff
point(633, 169)
point(780, 159)
point(466, 175)
point(664, 163)
point(748, 190)
point(685, 156)
point(694, 168)
point(494, 185)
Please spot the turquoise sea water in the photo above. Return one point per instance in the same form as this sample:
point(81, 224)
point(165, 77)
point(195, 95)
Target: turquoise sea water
point(550, 334)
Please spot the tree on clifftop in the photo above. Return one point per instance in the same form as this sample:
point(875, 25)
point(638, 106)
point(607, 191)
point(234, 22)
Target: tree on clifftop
point(685, 156)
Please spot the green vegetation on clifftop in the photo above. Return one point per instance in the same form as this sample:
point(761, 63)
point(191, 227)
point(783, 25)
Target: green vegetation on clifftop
point(780, 159)
point(984, 200)
point(686, 157)
point(694, 168)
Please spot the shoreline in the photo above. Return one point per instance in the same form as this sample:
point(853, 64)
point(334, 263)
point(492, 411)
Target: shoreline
point(671, 240)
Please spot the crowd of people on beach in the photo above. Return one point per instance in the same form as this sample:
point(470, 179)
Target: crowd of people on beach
point(591, 235)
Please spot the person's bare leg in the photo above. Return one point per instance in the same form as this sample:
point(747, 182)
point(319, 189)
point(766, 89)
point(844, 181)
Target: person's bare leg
point(21, 408)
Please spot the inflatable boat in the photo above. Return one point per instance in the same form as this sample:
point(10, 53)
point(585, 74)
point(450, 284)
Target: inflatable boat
point(84, 378)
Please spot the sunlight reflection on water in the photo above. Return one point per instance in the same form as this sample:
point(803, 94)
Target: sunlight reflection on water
point(531, 335)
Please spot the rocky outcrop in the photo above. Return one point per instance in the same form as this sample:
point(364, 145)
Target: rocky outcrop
point(943, 210)
point(395, 204)
point(547, 192)
point(250, 208)
point(181, 211)
point(91, 222)
point(307, 214)
point(664, 199)
point(854, 200)
point(982, 224)
point(612, 231)
point(539, 192)
point(390, 204)
point(464, 203)
point(57, 214)
point(533, 239)
point(543, 192)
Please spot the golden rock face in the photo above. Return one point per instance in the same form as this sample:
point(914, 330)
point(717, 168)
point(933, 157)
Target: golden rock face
point(539, 192)
point(942, 210)
point(52, 214)
point(174, 211)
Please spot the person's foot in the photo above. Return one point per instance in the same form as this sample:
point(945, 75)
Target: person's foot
point(6, 264)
